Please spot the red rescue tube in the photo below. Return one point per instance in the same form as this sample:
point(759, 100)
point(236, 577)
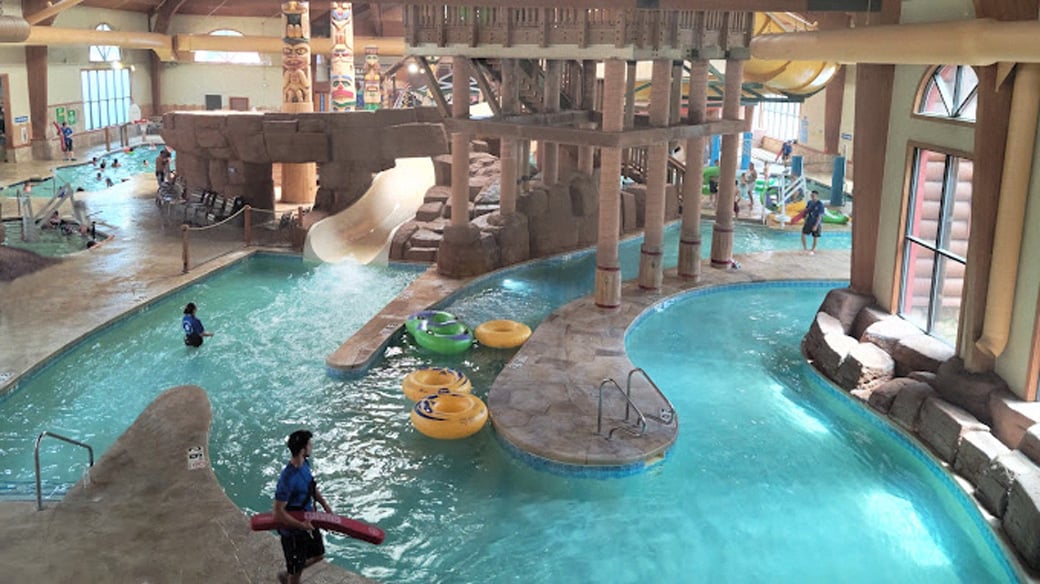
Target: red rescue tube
point(328, 521)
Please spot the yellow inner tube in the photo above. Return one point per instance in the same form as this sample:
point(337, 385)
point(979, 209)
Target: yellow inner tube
point(448, 416)
point(423, 382)
point(502, 334)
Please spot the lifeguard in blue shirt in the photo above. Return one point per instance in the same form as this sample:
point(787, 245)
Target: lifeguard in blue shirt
point(193, 329)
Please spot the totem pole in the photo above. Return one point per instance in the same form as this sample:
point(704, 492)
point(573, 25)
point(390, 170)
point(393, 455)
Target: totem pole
point(373, 79)
point(341, 75)
point(298, 180)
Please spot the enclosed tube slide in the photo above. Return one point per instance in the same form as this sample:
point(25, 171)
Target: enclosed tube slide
point(785, 75)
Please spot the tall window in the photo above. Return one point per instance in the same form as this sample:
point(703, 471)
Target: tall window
point(104, 53)
point(779, 119)
point(951, 91)
point(106, 97)
point(935, 245)
point(237, 58)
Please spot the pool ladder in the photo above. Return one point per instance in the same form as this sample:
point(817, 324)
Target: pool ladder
point(666, 416)
point(36, 460)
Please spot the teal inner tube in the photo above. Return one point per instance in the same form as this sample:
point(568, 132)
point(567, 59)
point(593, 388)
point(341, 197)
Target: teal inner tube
point(439, 331)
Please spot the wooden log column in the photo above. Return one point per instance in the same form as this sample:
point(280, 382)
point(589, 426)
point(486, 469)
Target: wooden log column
point(460, 144)
point(608, 266)
point(651, 269)
point(509, 91)
point(551, 102)
point(690, 229)
point(586, 154)
point(722, 237)
point(298, 180)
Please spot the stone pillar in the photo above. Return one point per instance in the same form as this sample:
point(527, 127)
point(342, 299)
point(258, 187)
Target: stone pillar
point(509, 91)
point(722, 239)
point(586, 154)
point(690, 229)
point(298, 180)
point(550, 151)
point(651, 270)
point(608, 266)
point(343, 91)
point(629, 96)
point(36, 67)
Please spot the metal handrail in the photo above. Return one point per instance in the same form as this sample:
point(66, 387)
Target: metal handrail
point(628, 400)
point(36, 460)
point(667, 414)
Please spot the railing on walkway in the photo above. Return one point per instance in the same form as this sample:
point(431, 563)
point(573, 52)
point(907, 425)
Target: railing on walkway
point(665, 416)
point(260, 227)
point(36, 460)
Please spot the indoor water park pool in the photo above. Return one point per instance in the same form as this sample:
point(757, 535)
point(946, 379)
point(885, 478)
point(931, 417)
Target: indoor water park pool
point(136, 160)
point(52, 243)
point(774, 476)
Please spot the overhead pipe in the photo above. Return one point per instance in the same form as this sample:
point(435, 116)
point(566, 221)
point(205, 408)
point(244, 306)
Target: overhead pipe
point(166, 46)
point(1011, 207)
point(979, 42)
point(13, 29)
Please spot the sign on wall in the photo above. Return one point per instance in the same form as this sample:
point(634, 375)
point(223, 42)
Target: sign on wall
point(59, 114)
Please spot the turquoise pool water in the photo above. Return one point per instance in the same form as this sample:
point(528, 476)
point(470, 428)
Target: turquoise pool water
point(800, 483)
point(85, 174)
point(774, 477)
point(52, 243)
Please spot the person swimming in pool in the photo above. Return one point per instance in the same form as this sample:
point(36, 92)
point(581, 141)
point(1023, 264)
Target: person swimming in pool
point(193, 329)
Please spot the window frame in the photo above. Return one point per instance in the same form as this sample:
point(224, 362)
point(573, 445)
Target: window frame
point(259, 60)
point(107, 93)
point(928, 80)
point(942, 237)
point(102, 51)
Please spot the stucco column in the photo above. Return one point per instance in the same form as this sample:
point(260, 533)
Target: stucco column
point(586, 154)
point(343, 93)
point(629, 96)
point(651, 270)
point(722, 238)
point(298, 180)
point(608, 267)
point(460, 143)
point(510, 100)
point(690, 229)
point(550, 151)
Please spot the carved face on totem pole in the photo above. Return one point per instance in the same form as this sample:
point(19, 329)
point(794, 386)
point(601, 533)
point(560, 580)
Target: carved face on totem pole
point(373, 79)
point(296, 53)
point(341, 73)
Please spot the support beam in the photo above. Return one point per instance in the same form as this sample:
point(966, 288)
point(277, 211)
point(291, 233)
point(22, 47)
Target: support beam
point(608, 266)
point(690, 230)
point(579, 137)
point(51, 11)
point(722, 236)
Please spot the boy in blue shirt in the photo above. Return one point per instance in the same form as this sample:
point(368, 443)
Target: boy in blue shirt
point(297, 491)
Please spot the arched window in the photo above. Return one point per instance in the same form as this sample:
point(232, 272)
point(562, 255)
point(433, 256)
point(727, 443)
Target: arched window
point(104, 53)
point(246, 58)
point(951, 91)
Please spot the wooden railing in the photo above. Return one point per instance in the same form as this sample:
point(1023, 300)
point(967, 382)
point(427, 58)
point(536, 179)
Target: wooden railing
point(476, 25)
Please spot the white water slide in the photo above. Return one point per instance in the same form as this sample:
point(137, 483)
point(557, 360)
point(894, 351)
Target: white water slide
point(363, 231)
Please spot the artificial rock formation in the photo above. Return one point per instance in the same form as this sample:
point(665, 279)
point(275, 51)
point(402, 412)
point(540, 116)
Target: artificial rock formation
point(971, 421)
point(232, 152)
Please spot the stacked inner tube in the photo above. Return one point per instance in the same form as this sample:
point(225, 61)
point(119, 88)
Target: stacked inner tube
point(448, 416)
point(423, 382)
point(439, 331)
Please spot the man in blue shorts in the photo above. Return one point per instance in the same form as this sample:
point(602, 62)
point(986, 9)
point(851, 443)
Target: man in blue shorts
point(302, 543)
point(66, 138)
point(813, 221)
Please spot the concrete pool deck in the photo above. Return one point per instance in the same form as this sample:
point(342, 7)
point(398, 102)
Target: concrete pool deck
point(44, 312)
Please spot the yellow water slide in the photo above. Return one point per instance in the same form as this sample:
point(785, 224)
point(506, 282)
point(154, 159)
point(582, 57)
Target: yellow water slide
point(789, 77)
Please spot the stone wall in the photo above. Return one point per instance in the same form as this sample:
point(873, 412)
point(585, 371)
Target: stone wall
point(232, 152)
point(970, 421)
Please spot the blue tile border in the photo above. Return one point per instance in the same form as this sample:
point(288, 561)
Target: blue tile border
point(602, 472)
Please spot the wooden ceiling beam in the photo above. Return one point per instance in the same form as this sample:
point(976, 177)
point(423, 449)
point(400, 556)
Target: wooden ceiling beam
point(719, 5)
point(166, 11)
point(51, 11)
